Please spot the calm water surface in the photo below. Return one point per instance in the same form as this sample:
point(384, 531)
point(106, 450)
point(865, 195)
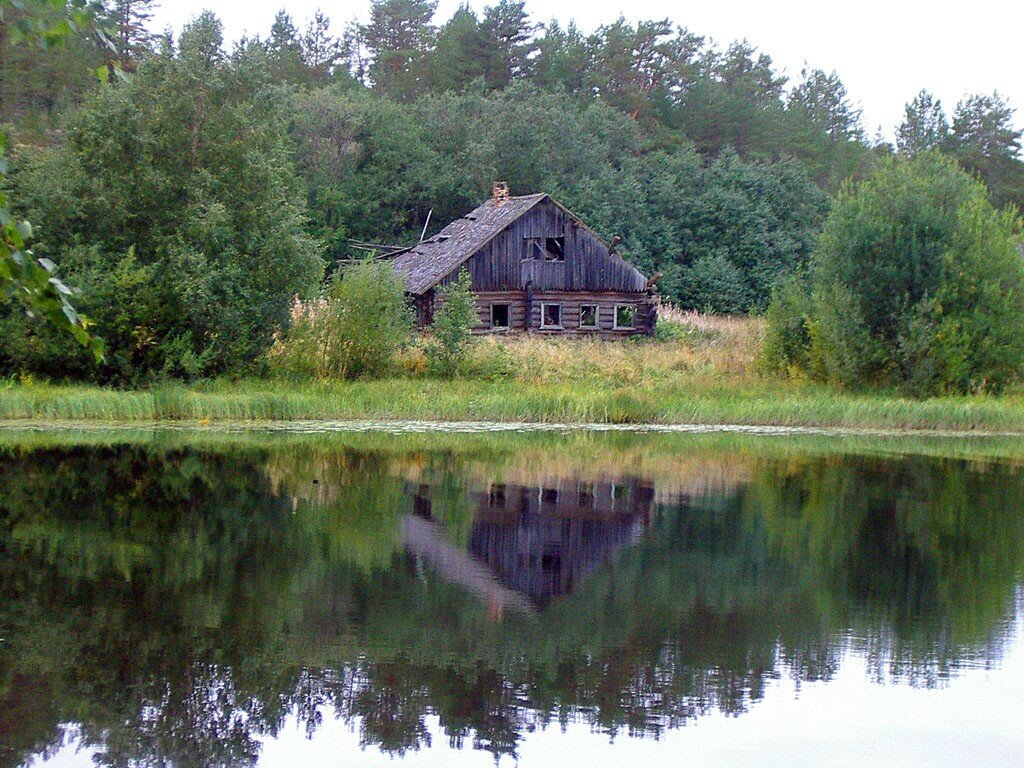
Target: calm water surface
point(609, 599)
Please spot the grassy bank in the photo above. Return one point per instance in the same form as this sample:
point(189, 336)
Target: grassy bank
point(707, 375)
point(701, 402)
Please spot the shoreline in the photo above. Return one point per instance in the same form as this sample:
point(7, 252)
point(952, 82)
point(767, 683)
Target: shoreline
point(412, 426)
point(699, 403)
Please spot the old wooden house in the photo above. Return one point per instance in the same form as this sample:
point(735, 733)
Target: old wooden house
point(534, 267)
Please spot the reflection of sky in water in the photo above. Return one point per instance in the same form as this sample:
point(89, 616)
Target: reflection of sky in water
point(974, 720)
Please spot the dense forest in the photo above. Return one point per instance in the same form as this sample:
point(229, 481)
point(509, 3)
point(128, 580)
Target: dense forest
point(191, 187)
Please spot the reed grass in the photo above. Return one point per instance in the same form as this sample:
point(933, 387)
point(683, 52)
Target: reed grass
point(707, 374)
point(696, 401)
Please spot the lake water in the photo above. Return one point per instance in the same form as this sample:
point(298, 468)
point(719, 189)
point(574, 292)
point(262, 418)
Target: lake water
point(579, 598)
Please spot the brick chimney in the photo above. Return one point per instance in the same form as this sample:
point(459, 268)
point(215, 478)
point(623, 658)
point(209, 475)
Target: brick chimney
point(500, 192)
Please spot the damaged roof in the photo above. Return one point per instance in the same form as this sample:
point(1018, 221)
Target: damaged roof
point(429, 262)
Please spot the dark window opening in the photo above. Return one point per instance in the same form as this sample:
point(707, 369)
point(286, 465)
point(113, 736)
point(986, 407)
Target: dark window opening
point(550, 315)
point(549, 496)
point(554, 249)
point(499, 316)
point(498, 495)
point(551, 563)
point(588, 316)
point(625, 316)
point(535, 250)
point(585, 495)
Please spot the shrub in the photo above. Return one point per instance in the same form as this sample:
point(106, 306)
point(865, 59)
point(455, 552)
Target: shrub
point(671, 324)
point(355, 330)
point(917, 283)
point(452, 327)
point(714, 284)
point(787, 341)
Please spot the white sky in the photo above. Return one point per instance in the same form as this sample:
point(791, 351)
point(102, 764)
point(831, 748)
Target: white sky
point(884, 51)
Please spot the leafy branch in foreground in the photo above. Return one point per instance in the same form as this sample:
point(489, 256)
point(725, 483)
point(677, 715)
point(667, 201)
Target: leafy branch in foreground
point(23, 277)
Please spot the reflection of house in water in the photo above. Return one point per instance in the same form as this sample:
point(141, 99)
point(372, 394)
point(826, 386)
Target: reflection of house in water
point(543, 540)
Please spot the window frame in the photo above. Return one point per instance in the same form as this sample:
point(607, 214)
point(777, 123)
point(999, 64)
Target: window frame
point(544, 326)
point(632, 317)
point(597, 317)
point(508, 316)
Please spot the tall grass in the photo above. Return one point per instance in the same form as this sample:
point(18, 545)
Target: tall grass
point(707, 375)
point(587, 401)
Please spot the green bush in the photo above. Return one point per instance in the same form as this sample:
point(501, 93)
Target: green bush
point(917, 283)
point(787, 341)
point(452, 327)
point(713, 284)
point(355, 331)
point(669, 330)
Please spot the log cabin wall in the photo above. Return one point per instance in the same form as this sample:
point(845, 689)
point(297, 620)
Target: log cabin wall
point(570, 304)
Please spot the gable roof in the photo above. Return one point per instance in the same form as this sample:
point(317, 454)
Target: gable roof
point(427, 263)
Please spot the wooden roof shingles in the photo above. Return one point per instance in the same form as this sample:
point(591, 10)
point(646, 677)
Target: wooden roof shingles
point(429, 262)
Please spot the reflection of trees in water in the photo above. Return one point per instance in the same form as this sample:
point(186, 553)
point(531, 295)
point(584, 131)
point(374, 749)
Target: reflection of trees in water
point(180, 605)
point(920, 557)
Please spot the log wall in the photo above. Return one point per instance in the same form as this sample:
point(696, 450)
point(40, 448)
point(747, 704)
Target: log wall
point(645, 312)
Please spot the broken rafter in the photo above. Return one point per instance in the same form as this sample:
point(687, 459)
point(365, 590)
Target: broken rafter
point(384, 247)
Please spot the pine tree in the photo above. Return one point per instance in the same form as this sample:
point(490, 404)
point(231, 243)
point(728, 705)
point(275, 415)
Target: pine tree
point(130, 20)
point(398, 38)
point(321, 51)
point(825, 101)
point(924, 126)
point(983, 127)
point(461, 53)
point(985, 142)
point(508, 31)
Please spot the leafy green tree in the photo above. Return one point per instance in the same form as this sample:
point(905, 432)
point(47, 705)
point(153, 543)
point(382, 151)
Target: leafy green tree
point(714, 284)
point(185, 174)
point(742, 227)
point(29, 280)
point(355, 330)
point(452, 325)
point(917, 283)
point(924, 126)
point(370, 169)
point(44, 66)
